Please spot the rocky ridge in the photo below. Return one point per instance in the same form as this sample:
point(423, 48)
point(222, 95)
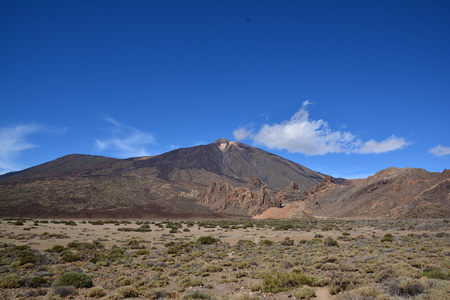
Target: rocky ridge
point(390, 193)
point(251, 200)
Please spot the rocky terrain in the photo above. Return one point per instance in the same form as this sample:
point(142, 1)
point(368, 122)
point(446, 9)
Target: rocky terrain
point(166, 185)
point(249, 200)
point(390, 193)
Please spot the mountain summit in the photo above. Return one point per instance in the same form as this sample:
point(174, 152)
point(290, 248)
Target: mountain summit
point(165, 185)
point(231, 162)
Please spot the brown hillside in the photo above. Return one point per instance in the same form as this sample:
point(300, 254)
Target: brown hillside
point(165, 185)
point(390, 193)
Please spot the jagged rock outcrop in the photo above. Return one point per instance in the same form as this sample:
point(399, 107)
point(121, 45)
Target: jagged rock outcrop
point(321, 189)
point(249, 200)
point(296, 201)
point(252, 199)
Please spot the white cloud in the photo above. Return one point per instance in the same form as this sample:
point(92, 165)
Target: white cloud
point(440, 150)
point(125, 141)
point(242, 133)
point(314, 137)
point(12, 143)
point(390, 144)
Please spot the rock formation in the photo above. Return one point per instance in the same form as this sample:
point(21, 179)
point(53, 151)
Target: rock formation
point(249, 200)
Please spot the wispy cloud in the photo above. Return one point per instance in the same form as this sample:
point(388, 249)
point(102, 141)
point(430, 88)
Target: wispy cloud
point(124, 141)
point(314, 137)
point(390, 144)
point(243, 133)
point(440, 150)
point(12, 143)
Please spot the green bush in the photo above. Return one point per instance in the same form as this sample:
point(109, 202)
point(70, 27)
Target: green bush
point(70, 257)
point(330, 242)
point(81, 246)
point(437, 274)
point(266, 242)
point(21, 248)
point(10, 281)
point(279, 282)
point(388, 238)
point(26, 257)
point(115, 253)
point(245, 244)
point(207, 240)
point(38, 281)
point(255, 288)
point(142, 252)
point(287, 242)
point(78, 280)
point(57, 249)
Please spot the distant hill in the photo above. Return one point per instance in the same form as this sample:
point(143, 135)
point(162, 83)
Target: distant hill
point(166, 185)
point(390, 193)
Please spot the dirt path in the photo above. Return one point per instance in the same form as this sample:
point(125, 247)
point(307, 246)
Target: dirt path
point(323, 294)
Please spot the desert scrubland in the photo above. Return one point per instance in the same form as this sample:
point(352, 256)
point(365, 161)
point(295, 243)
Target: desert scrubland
point(222, 259)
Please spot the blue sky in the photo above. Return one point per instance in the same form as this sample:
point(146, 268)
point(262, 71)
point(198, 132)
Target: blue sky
point(346, 88)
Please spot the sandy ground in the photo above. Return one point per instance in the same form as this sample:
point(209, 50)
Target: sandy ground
point(109, 235)
point(45, 235)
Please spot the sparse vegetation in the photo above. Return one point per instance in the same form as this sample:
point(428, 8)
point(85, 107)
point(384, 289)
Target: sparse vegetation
point(213, 260)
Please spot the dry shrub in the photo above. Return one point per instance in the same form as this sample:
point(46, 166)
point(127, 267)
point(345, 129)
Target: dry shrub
point(159, 293)
point(320, 280)
point(115, 296)
point(329, 266)
point(196, 295)
point(10, 281)
point(96, 292)
point(35, 293)
point(212, 268)
point(364, 293)
point(304, 293)
point(438, 289)
point(409, 287)
point(65, 291)
point(128, 291)
point(278, 282)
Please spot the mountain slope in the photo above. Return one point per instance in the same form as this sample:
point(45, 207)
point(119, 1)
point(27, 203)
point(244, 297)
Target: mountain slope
point(233, 162)
point(390, 193)
point(165, 185)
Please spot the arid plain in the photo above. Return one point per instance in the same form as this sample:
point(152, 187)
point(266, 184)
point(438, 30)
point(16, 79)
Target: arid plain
point(220, 259)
